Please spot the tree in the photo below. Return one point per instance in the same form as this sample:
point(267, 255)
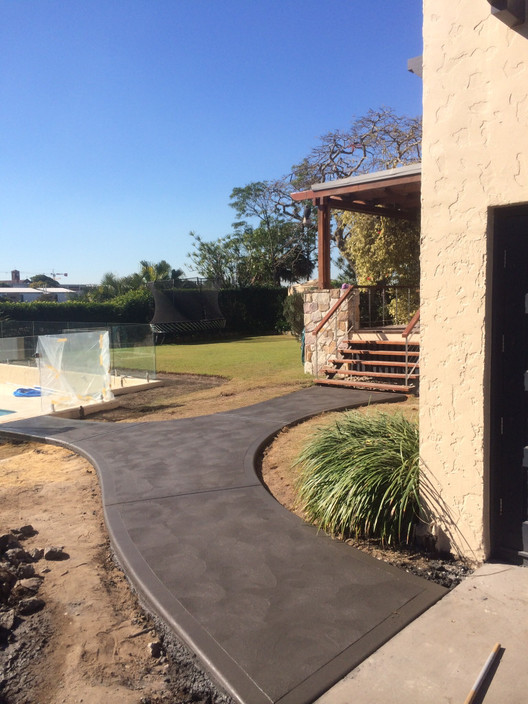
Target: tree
point(43, 281)
point(112, 285)
point(383, 250)
point(377, 248)
point(220, 261)
point(154, 271)
point(274, 237)
point(379, 140)
point(277, 246)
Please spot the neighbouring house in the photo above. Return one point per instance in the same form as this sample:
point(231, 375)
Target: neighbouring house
point(473, 185)
point(26, 294)
point(15, 280)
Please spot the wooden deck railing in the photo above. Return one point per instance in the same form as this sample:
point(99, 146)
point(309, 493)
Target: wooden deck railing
point(406, 334)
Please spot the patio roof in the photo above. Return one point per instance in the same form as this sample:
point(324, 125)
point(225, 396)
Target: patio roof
point(393, 193)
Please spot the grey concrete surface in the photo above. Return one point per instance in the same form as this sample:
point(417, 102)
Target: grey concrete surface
point(276, 611)
point(438, 657)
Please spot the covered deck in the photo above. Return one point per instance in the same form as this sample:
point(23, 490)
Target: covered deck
point(393, 193)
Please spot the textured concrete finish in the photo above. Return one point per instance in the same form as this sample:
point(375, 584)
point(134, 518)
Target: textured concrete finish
point(438, 657)
point(276, 611)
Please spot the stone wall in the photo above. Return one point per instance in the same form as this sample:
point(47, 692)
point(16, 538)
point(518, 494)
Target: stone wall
point(475, 157)
point(316, 305)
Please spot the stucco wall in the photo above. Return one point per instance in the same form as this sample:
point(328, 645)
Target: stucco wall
point(475, 156)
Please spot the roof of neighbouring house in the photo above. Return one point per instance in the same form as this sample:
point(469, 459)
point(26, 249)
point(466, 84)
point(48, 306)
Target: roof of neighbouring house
point(26, 290)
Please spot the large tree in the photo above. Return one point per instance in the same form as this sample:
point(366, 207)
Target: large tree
point(43, 281)
point(274, 238)
point(267, 245)
point(375, 248)
point(382, 250)
point(379, 140)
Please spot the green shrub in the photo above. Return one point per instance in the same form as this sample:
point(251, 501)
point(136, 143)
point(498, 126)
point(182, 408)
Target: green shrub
point(293, 311)
point(132, 307)
point(252, 310)
point(360, 477)
point(248, 310)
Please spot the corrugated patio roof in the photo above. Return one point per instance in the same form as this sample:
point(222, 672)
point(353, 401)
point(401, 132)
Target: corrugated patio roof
point(393, 192)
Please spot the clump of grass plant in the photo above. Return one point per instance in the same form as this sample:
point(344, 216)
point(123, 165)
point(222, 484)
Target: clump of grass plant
point(360, 477)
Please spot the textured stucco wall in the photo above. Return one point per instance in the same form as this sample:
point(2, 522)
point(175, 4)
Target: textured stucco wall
point(475, 156)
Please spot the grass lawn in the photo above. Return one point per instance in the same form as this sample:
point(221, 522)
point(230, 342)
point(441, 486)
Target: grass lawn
point(275, 358)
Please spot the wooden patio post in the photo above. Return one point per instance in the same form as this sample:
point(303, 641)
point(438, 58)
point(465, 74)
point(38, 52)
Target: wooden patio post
point(323, 228)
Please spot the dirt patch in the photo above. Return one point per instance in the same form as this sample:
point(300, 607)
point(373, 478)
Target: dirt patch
point(161, 402)
point(91, 640)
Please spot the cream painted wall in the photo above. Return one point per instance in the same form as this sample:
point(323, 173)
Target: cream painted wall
point(475, 156)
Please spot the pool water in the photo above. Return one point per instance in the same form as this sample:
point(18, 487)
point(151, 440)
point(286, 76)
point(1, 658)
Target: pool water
point(4, 412)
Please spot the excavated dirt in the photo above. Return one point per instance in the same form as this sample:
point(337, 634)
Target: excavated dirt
point(88, 639)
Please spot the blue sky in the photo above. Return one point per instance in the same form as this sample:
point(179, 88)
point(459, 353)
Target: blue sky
point(124, 124)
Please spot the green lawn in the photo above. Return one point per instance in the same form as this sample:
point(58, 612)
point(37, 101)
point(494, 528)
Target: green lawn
point(276, 358)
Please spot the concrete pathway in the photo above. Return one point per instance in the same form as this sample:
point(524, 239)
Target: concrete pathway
point(275, 611)
point(439, 656)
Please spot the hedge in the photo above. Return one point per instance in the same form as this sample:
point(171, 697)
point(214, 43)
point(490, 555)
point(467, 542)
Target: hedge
point(248, 310)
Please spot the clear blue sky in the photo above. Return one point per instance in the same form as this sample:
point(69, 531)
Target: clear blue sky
point(124, 124)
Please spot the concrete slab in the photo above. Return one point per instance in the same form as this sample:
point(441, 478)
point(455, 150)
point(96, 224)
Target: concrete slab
point(438, 657)
point(276, 611)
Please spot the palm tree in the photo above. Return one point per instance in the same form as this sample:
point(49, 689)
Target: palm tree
point(151, 271)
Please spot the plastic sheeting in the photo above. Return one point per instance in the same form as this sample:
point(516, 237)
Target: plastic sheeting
point(74, 368)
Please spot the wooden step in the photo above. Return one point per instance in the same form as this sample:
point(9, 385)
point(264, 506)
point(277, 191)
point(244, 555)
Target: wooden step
point(372, 363)
point(396, 343)
point(375, 386)
point(376, 375)
point(382, 353)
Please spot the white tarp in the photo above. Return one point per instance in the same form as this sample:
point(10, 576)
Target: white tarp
point(74, 368)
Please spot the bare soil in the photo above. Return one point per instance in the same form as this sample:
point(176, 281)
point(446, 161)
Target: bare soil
point(91, 641)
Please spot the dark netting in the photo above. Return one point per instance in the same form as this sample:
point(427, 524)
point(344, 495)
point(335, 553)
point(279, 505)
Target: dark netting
point(183, 311)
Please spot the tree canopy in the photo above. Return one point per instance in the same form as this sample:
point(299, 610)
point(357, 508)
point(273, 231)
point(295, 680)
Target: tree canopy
point(376, 248)
point(112, 286)
point(383, 250)
point(275, 247)
point(274, 238)
point(43, 281)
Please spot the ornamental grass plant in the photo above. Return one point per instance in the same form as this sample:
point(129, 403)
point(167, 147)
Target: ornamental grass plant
point(359, 477)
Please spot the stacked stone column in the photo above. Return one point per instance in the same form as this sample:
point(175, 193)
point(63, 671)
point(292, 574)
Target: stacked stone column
point(335, 331)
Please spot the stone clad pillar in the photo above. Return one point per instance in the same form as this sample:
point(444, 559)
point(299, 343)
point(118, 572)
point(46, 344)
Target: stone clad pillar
point(341, 324)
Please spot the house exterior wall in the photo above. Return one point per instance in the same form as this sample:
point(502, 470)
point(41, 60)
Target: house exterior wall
point(475, 157)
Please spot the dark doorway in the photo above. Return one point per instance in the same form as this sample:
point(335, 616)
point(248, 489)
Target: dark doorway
point(509, 399)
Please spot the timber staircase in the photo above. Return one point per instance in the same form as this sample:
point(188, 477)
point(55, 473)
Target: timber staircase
point(384, 365)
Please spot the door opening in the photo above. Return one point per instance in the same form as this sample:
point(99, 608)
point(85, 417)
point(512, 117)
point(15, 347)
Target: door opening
point(509, 386)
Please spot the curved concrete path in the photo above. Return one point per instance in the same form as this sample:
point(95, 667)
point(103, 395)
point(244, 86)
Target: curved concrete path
point(275, 610)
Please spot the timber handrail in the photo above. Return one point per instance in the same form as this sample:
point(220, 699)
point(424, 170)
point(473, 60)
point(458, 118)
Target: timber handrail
point(333, 310)
point(411, 325)
point(406, 333)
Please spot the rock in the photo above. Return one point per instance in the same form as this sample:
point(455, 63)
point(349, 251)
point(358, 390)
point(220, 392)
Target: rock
point(155, 648)
point(25, 570)
point(25, 532)
point(7, 619)
point(55, 553)
point(7, 580)
point(26, 587)
point(36, 554)
point(17, 555)
point(7, 541)
point(30, 605)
